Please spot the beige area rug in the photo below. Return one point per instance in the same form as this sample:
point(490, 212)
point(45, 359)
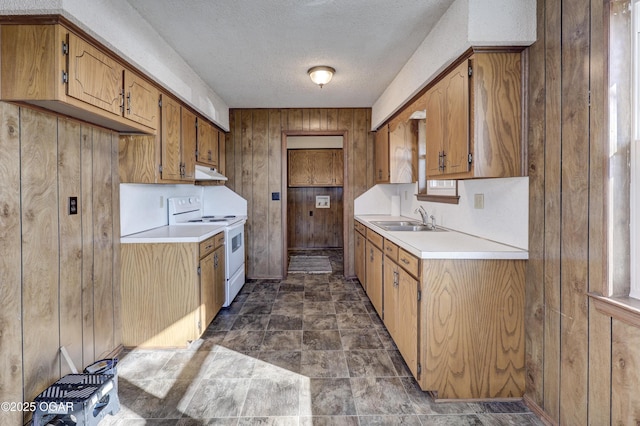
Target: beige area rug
point(309, 265)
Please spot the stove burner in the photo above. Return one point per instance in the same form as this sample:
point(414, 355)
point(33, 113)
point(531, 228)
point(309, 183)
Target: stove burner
point(195, 220)
point(208, 217)
point(230, 216)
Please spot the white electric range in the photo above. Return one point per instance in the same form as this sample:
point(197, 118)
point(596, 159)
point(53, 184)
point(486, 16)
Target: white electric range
point(188, 210)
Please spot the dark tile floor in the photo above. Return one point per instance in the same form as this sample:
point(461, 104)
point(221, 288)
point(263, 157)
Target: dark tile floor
point(308, 350)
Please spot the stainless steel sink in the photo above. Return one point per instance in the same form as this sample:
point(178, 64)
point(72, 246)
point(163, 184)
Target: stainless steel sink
point(407, 226)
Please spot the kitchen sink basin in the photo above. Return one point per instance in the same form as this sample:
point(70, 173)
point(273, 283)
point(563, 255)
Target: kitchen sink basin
point(407, 226)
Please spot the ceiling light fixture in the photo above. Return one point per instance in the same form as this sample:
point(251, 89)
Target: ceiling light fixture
point(321, 75)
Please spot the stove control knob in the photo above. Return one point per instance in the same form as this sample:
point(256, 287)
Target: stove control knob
point(191, 200)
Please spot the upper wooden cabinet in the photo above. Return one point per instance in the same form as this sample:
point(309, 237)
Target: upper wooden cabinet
point(207, 149)
point(178, 141)
point(315, 167)
point(474, 119)
point(50, 66)
point(396, 147)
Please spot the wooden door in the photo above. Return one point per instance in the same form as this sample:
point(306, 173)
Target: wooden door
point(406, 335)
point(374, 276)
point(456, 120)
point(382, 155)
point(94, 77)
point(434, 129)
point(360, 257)
point(391, 308)
point(188, 144)
point(141, 100)
point(219, 277)
point(171, 160)
point(208, 294)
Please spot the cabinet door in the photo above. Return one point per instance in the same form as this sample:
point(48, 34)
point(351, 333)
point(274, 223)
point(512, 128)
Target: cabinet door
point(403, 152)
point(456, 120)
point(321, 162)
point(338, 168)
point(374, 276)
point(171, 160)
point(406, 335)
point(141, 100)
point(94, 77)
point(222, 152)
point(299, 168)
point(360, 257)
point(434, 129)
point(220, 280)
point(207, 144)
point(188, 144)
point(390, 284)
point(382, 155)
point(208, 299)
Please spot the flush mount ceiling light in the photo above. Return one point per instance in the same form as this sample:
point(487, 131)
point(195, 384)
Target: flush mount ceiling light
point(321, 75)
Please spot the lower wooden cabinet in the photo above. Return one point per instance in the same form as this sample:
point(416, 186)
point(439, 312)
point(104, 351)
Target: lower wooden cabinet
point(458, 323)
point(170, 291)
point(360, 256)
point(373, 273)
point(212, 278)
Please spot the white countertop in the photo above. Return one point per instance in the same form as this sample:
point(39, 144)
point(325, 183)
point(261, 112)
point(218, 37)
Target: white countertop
point(443, 245)
point(178, 233)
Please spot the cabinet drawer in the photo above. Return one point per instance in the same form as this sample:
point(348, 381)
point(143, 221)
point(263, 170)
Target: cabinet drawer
point(375, 238)
point(391, 250)
point(408, 262)
point(208, 245)
point(219, 239)
point(360, 228)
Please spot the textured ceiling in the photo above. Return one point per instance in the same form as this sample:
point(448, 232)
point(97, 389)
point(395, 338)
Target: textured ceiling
point(255, 53)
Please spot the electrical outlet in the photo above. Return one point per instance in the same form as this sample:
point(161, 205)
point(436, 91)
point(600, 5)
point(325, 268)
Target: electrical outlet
point(478, 201)
point(73, 205)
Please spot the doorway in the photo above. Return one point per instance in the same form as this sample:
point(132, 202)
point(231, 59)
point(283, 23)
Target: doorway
point(314, 187)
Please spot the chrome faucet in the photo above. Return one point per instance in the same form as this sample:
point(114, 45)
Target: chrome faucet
point(424, 214)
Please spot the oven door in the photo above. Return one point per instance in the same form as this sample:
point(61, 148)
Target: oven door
point(234, 248)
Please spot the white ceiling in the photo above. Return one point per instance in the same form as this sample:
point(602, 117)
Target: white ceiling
point(255, 53)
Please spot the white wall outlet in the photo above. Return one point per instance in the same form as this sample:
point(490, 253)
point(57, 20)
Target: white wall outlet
point(478, 201)
point(323, 202)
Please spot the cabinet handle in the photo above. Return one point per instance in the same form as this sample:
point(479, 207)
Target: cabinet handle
point(122, 101)
point(371, 254)
point(405, 261)
point(396, 278)
point(208, 247)
point(210, 155)
point(215, 261)
point(129, 103)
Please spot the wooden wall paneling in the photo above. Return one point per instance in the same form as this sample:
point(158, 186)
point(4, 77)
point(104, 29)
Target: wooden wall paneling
point(10, 263)
point(274, 210)
point(139, 157)
point(246, 167)
point(295, 120)
point(332, 119)
point(625, 375)
point(552, 203)
point(574, 237)
point(260, 193)
point(352, 121)
point(599, 408)
point(70, 229)
point(103, 324)
point(535, 303)
point(324, 228)
point(86, 209)
point(115, 214)
point(40, 252)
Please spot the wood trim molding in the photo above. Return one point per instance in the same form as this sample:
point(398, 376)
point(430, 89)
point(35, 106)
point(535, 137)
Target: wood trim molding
point(625, 309)
point(448, 199)
point(538, 411)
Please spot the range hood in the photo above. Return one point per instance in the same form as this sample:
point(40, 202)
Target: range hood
point(206, 173)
